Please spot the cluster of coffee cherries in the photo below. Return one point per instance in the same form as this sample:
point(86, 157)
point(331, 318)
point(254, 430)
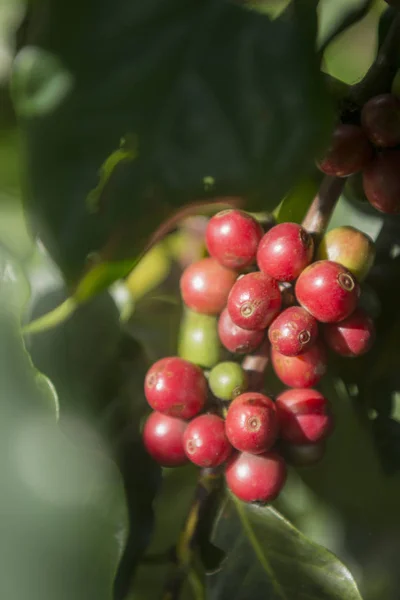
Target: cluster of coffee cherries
point(373, 148)
point(210, 417)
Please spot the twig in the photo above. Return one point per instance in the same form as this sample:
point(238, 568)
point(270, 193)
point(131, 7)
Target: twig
point(379, 77)
point(321, 208)
point(207, 485)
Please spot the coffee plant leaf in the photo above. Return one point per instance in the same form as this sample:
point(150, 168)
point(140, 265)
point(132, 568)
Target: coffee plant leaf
point(214, 99)
point(267, 557)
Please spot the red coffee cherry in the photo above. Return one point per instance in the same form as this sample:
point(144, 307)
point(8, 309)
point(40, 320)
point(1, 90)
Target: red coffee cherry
point(163, 439)
point(328, 291)
point(252, 423)
point(302, 371)
point(284, 251)
point(254, 301)
point(305, 455)
point(205, 286)
point(232, 238)
point(236, 339)
point(256, 477)
point(293, 331)
point(176, 387)
point(353, 336)
point(303, 416)
point(205, 441)
point(349, 152)
point(380, 118)
point(381, 181)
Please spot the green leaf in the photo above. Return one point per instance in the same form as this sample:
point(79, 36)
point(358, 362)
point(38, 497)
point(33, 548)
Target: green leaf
point(221, 100)
point(66, 514)
point(174, 497)
point(294, 206)
point(266, 557)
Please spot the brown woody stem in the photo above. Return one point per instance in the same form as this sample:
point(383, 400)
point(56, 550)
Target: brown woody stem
point(320, 211)
point(379, 76)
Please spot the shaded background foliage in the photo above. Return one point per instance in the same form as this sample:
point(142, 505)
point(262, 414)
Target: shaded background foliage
point(212, 98)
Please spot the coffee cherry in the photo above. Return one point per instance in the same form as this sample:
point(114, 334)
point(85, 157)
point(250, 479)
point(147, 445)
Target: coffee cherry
point(284, 251)
point(227, 380)
point(380, 118)
point(163, 439)
point(256, 477)
point(349, 152)
point(381, 180)
point(328, 291)
point(304, 455)
point(205, 286)
point(236, 339)
point(293, 331)
point(352, 337)
point(199, 341)
point(252, 423)
point(232, 238)
point(176, 387)
point(303, 416)
point(350, 247)
point(205, 441)
point(302, 371)
point(254, 301)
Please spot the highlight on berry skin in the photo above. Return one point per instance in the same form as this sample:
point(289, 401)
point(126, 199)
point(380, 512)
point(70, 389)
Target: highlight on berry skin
point(232, 238)
point(285, 251)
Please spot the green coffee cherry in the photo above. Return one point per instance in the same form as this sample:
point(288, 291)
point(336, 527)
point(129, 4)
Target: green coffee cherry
point(349, 247)
point(199, 342)
point(227, 380)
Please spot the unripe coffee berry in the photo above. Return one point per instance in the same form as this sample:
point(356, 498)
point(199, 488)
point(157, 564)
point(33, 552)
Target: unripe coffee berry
point(380, 118)
point(176, 387)
point(284, 251)
point(198, 339)
point(205, 286)
point(328, 291)
point(349, 247)
point(254, 301)
point(353, 336)
point(349, 152)
point(293, 331)
point(304, 455)
point(236, 339)
point(252, 423)
point(381, 180)
point(163, 439)
point(303, 416)
point(205, 441)
point(256, 477)
point(302, 371)
point(232, 238)
point(227, 380)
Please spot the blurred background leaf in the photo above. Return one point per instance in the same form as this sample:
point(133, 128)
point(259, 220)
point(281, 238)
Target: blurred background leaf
point(161, 72)
point(64, 514)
